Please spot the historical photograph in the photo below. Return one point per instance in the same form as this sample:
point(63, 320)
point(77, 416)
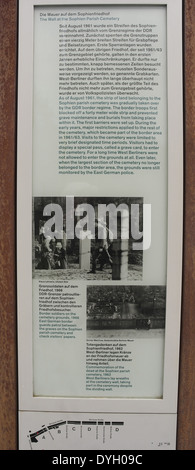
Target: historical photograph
point(90, 238)
point(126, 308)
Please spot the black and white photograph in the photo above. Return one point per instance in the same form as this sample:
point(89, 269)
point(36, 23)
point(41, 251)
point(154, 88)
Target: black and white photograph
point(90, 238)
point(116, 309)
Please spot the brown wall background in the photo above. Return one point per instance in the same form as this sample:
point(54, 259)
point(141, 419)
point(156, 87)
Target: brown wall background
point(8, 374)
point(186, 408)
point(8, 311)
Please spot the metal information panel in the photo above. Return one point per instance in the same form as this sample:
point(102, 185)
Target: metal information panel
point(99, 223)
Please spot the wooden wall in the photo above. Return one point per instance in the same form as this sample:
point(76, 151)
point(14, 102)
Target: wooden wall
point(8, 311)
point(186, 410)
point(8, 352)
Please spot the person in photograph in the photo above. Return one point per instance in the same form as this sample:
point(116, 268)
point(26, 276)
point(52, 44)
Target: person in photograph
point(46, 254)
point(60, 261)
point(101, 246)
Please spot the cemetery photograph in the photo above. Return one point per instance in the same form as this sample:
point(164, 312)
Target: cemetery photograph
point(90, 238)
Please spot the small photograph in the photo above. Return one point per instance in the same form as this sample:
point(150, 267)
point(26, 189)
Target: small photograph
point(88, 238)
point(138, 308)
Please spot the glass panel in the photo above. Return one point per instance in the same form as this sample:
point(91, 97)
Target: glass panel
point(99, 201)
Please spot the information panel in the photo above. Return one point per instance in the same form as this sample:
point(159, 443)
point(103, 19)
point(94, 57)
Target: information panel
point(100, 178)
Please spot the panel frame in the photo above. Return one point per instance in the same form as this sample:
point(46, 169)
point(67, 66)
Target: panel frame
point(168, 404)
